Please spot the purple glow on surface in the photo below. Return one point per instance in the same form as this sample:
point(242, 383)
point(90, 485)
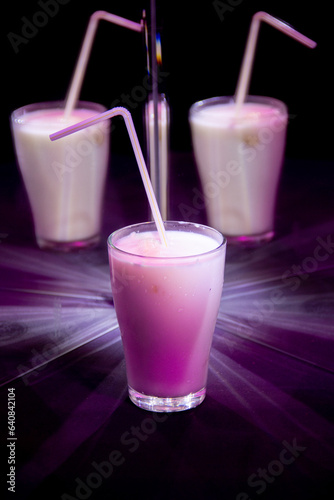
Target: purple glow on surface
point(282, 296)
point(273, 296)
point(51, 304)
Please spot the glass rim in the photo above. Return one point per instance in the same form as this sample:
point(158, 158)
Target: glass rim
point(219, 246)
point(228, 99)
point(55, 104)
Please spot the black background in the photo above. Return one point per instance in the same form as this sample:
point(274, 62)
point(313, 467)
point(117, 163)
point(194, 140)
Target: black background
point(202, 49)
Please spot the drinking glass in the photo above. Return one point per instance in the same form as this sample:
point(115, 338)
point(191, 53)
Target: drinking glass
point(239, 155)
point(65, 179)
point(167, 308)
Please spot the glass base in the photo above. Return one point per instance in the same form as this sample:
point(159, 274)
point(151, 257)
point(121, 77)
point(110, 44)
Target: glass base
point(68, 246)
point(154, 403)
point(250, 239)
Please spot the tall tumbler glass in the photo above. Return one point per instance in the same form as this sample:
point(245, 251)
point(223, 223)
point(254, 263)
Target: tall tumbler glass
point(239, 155)
point(65, 179)
point(167, 302)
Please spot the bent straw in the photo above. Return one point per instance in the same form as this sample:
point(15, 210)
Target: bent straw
point(138, 153)
point(246, 67)
point(86, 47)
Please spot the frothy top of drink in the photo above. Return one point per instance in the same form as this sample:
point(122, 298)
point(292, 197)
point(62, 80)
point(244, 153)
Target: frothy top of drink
point(250, 113)
point(47, 121)
point(180, 244)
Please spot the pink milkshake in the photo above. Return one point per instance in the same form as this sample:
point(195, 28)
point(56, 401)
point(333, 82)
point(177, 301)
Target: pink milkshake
point(167, 301)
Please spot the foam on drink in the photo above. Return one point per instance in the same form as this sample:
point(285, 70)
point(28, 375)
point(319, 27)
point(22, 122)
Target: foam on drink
point(223, 115)
point(179, 244)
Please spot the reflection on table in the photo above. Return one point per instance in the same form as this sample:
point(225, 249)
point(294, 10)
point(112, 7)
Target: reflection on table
point(265, 429)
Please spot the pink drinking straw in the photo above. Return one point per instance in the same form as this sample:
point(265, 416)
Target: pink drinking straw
point(247, 62)
point(138, 153)
point(86, 47)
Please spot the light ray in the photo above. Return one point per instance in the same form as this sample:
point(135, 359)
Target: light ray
point(65, 300)
point(106, 397)
point(52, 304)
point(268, 407)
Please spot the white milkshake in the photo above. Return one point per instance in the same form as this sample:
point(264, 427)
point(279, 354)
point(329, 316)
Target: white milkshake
point(65, 179)
point(239, 158)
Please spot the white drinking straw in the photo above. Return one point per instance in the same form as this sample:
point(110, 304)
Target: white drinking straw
point(247, 62)
point(78, 75)
point(138, 153)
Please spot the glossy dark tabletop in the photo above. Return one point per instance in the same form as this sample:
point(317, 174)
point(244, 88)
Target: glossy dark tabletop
point(266, 427)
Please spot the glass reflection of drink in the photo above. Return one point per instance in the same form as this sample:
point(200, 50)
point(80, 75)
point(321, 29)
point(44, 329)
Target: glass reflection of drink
point(167, 301)
point(64, 180)
point(239, 158)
